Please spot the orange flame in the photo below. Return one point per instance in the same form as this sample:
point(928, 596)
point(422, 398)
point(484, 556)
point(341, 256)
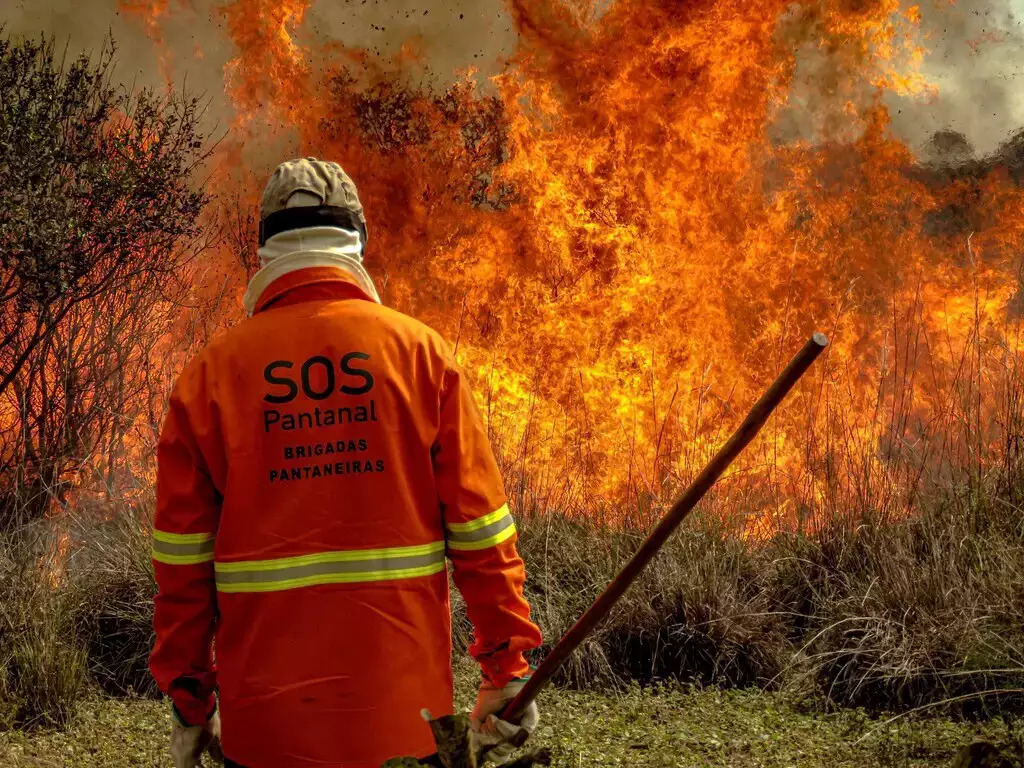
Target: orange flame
point(625, 242)
point(151, 12)
point(55, 564)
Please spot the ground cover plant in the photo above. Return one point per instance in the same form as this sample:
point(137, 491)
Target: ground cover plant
point(648, 728)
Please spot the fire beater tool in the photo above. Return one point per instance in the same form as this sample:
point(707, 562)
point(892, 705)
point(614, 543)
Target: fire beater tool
point(451, 732)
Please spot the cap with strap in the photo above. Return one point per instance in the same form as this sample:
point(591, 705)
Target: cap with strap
point(327, 181)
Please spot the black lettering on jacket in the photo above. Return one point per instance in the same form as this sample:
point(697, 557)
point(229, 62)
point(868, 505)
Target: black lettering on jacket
point(307, 387)
point(362, 373)
point(268, 375)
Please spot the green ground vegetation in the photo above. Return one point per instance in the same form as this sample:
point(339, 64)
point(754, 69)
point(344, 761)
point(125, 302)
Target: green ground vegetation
point(658, 726)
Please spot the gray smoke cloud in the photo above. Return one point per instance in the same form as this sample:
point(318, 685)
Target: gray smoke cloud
point(976, 56)
point(450, 37)
point(84, 26)
point(976, 61)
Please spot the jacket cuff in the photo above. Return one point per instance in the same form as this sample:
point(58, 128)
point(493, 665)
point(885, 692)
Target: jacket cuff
point(500, 674)
point(194, 712)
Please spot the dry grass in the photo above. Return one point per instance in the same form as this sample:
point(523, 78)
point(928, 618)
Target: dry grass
point(895, 616)
point(913, 613)
point(109, 596)
point(44, 664)
point(927, 612)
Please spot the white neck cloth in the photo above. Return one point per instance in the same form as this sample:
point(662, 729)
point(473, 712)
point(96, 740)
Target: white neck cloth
point(310, 247)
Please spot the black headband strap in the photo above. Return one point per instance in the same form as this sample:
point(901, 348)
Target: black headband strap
point(310, 216)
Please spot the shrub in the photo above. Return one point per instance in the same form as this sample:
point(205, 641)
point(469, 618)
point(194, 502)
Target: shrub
point(97, 215)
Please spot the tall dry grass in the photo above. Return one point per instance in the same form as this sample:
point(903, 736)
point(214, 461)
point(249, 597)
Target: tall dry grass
point(44, 666)
point(927, 611)
point(923, 611)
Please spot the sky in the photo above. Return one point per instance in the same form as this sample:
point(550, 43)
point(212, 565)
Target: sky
point(975, 59)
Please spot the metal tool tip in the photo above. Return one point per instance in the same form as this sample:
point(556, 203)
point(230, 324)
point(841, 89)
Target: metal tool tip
point(820, 339)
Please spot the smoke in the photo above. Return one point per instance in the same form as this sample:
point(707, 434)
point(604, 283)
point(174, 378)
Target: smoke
point(975, 55)
point(186, 41)
point(448, 37)
point(976, 62)
point(84, 25)
point(184, 46)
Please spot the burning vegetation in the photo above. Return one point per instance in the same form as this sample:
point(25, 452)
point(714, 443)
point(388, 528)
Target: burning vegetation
point(623, 234)
point(626, 229)
point(97, 221)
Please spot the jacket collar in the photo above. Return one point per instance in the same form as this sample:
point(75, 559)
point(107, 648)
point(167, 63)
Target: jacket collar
point(310, 284)
point(300, 249)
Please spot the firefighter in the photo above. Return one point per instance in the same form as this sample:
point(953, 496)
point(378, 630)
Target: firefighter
point(318, 464)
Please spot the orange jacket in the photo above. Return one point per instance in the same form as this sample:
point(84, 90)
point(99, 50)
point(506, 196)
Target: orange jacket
point(318, 464)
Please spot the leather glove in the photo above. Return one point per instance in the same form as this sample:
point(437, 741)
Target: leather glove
point(188, 742)
point(497, 738)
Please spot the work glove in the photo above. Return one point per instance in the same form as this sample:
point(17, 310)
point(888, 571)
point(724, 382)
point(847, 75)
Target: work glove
point(188, 742)
point(498, 738)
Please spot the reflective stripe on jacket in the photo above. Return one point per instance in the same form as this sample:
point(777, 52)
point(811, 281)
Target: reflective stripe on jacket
point(318, 464)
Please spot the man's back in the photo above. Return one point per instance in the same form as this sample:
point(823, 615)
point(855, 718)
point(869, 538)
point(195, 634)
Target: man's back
point(331, 448)
point(328, 407)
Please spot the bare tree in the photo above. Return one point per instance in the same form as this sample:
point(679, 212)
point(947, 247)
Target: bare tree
point(96, 215)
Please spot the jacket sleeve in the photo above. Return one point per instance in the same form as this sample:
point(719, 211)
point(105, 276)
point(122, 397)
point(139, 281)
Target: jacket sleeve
point(187, 512)
point(481, 537)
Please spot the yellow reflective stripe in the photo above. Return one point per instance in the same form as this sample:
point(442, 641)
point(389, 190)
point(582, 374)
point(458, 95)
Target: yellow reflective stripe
point(352, 555)
point(339, 567)
point(490, 541)
point(480, 522)
point(182, 538)
point(331, 578)
point(483, 532)
point(169, 559)
point(182, 548)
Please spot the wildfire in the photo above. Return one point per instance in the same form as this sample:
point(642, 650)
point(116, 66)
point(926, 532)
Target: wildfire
point(151, 12)
point(626, 238)
point(55, 564)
